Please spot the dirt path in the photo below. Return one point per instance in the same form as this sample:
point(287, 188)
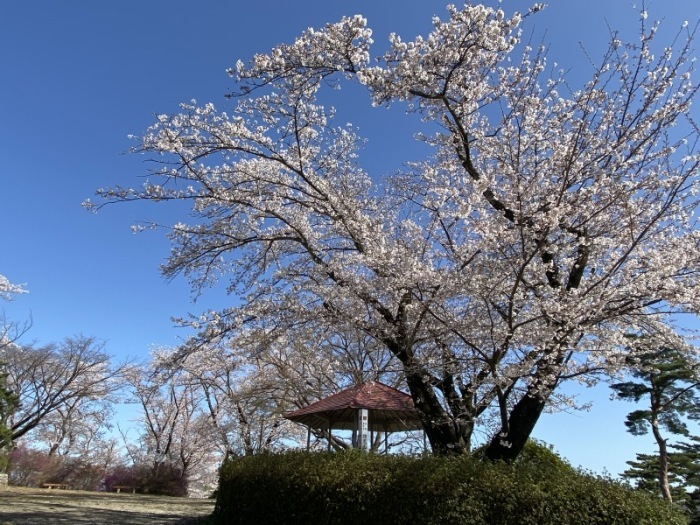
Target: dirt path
point(22, 506)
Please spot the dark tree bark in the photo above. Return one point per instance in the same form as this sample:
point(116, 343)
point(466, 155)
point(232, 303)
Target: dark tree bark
point(445, 434)
point(507, 445)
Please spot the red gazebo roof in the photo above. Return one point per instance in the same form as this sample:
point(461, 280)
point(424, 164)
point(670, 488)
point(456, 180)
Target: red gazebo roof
point(389, 409)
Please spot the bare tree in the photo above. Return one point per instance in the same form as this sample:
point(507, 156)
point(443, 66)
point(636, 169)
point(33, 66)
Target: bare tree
point(56, 381)
point(77, 427)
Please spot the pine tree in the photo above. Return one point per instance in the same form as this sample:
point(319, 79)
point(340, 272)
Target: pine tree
point(9, 402)
point(689, 470)
point(668, 380)
point(683, 475)
point(644, 472)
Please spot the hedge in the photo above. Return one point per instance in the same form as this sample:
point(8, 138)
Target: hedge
point(358, 488)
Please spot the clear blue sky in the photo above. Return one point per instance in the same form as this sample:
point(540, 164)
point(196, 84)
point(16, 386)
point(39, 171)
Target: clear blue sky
point(78, 76)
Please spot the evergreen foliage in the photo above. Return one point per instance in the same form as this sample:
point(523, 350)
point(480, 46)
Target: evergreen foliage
point(350, 487)
point(667, 381)
point(683, 474)
point(8, 404)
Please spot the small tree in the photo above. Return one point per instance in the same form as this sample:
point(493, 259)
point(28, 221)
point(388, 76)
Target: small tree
point(9, 402)
point(668, 381)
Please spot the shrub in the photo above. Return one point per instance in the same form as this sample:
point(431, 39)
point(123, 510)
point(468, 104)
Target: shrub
point(31, 468)
point(122, 475)
point(166, 480)
point(352, 487)
point(78, 474)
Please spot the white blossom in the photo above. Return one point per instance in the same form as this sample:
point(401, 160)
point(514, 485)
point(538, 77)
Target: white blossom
point(548, 222)
point(7, 289)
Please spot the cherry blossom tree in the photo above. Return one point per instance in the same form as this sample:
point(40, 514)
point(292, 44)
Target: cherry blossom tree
point(76, 428)
point(175, 433)
point(244, 404)
point(549, 220)
point(249, 384)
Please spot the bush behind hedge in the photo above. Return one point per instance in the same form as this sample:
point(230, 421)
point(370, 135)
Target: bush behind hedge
point(352, 487)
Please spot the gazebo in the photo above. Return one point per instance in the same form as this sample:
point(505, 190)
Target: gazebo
point(365, 408)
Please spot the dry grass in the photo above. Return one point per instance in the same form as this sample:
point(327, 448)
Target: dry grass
point(26, 506)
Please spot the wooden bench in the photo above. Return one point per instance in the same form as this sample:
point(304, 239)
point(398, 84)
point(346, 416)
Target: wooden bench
point(54, 486)
point(119, 488)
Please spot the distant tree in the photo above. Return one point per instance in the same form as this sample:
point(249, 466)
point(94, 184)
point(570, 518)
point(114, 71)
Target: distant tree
point(244, 404)
point(51, 379)
point(76, 428)
point(550, 219)
point(248, 384)
point(668, 381)
point(176, 439)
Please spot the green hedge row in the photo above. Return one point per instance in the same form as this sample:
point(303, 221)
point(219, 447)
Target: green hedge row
point(351, 487)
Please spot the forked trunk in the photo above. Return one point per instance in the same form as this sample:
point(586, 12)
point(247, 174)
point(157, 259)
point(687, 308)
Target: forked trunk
point(507, 445)
point(446, 436)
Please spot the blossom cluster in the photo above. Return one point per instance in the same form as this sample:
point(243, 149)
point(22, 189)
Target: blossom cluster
point(548, 223)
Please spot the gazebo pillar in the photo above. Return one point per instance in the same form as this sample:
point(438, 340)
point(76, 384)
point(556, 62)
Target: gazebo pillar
point(362, 429)
point(330, 434)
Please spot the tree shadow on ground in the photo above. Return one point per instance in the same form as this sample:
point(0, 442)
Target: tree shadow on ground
point(59, 508)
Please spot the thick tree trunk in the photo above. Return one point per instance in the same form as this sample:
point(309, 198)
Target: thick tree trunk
point(510, 441)
point(507, 444)
point(446, 435)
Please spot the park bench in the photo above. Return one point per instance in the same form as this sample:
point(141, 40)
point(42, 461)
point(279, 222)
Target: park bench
point(54, 486)
point(119, 488)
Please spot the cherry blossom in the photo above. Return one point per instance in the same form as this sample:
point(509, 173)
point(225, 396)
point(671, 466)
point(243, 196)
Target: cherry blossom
point(7, 289)
point(549, 222)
